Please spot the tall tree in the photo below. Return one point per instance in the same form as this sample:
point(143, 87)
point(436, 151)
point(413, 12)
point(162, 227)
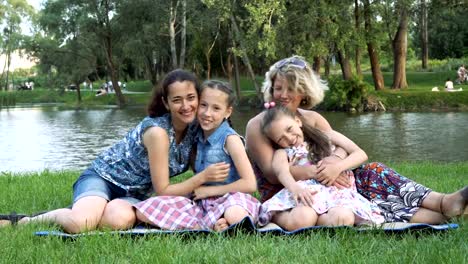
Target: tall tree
point(424, 33)
point(400, 45)
point(372, 47)
point(12, 13)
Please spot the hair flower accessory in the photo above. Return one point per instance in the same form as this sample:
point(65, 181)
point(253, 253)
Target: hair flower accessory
point(269, 105)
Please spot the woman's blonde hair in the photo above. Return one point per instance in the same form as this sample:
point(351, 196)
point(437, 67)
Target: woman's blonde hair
point(300, 77)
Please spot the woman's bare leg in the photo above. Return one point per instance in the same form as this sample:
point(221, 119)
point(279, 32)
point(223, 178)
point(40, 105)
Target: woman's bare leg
point(118, 215)
point(428, 216)
point(450, 205)
point(84, 216)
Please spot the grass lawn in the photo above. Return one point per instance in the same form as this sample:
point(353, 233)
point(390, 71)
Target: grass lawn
point(31, 192)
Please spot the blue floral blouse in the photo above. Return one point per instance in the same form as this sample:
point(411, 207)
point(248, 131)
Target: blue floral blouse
point(126, 163)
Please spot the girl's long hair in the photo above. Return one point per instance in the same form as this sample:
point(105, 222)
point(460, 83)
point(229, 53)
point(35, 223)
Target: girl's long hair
point(319, 145)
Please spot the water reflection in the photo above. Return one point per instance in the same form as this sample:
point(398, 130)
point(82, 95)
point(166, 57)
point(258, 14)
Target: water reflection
point(37, 138)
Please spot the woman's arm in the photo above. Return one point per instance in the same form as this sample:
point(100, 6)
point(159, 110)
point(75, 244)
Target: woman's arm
point(247, 182)
point(328, 172)
point(259, 148)
point(156, 142)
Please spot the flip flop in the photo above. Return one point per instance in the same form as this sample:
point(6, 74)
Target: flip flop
point(13, 217)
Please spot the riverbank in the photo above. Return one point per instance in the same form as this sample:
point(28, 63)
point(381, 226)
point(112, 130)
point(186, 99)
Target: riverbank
point(417, 97)
point(31, 192)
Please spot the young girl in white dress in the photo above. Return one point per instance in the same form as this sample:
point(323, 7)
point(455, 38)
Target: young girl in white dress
point(299, 144)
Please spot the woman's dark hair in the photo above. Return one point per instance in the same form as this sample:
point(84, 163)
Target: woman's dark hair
point(156, 106)
point(225, 88)
point(319, 143)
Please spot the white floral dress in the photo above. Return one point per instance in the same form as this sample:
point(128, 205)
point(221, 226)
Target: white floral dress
point(325, 198)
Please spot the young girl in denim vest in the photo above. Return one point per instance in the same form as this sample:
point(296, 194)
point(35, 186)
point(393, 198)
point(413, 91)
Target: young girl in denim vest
point(302, 145)
point(212, 204)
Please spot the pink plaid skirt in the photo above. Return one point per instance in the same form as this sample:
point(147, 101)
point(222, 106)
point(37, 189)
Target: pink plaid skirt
point(178, 212)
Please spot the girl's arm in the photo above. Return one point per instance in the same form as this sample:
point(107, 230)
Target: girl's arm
point(261, 151)
point(328, 172)
point(281, 168)
point(247, 182)
point(156, 142)
point(316, 120)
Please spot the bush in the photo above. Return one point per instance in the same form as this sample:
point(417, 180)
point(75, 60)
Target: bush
point(347, 95)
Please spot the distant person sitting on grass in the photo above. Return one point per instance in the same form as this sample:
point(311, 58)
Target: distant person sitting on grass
point(101, 91)
point(448, 85)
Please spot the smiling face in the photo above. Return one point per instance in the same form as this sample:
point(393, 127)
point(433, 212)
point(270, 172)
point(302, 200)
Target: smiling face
point(286, 131)
point(182, 103)
point(285, 95)
point(213, 109)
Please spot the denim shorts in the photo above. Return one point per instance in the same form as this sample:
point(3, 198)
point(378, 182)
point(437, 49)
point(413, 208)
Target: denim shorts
point(91, 184)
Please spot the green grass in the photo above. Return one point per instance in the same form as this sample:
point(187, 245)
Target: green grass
point(31, 192)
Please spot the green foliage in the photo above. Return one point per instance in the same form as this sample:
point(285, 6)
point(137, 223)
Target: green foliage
point(346, 95)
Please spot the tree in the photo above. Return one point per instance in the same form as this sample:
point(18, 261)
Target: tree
point(372, 47)
point(12, 12)
point(424, 34)
point(400, 46)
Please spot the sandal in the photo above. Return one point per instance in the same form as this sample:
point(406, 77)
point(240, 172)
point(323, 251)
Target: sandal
point(13, 218)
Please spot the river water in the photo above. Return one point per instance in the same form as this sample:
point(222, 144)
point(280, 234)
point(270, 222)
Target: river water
point(48, 137)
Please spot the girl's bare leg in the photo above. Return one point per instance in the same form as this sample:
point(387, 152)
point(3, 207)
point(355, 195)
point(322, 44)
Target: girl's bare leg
point(337, 216)
point(298, 217)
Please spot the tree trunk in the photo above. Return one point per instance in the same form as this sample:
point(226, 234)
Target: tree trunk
point(345, 65)
point(357, 57)
point(151, 69)
point(424, 35)
point(245, 58)
point(371, 49)
point(399, 45)
point(183, 37)
point(208, 65)
point(317, 64)
point(327, 66)
point(172, 34)
point(110, 61)
point(237, 76)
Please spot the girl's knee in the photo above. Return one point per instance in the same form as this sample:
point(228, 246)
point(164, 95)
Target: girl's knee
point(341, 217)
point(235, 214)
point(302, 217)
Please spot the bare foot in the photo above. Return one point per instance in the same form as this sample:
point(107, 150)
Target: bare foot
point(220, 225)
point(4, 223)
point(455, 204)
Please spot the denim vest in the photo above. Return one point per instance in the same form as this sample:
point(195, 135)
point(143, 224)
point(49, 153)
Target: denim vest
point(212, 151)
point(126, 163)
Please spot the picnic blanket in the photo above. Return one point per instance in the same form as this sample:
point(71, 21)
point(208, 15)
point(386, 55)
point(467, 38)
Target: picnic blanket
point(248, 226)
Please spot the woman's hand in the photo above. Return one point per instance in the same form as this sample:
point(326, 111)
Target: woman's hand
point(343, 182)
point(328, 170)
point(303, 194)
point(217, 172)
